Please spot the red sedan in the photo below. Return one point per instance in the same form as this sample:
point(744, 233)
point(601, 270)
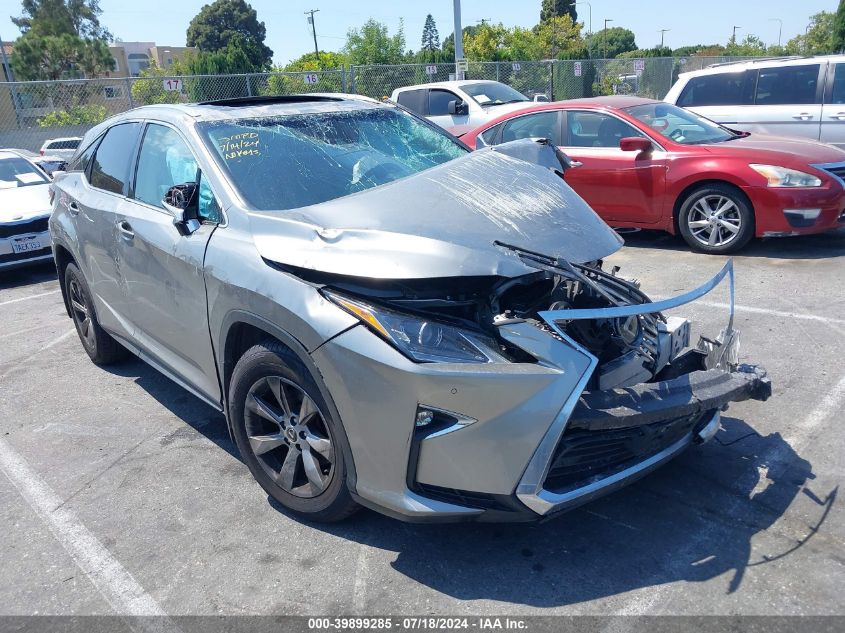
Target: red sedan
point(647, 164)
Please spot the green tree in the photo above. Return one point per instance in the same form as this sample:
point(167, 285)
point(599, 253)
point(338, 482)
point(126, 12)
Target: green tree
point(818, 39)
point(54, 17)
point(76, 115)
point(839, 29)
point(61, 39)
point(612, 42)
point(449, 41)
point(430, 36)
point(220, 23)
point(373, 44)
point(751, 46)
point(558, 8)
point(286, 84)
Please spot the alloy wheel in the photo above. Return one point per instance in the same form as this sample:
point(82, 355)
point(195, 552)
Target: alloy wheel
point(714, 220)
point(289, 436)
point(81, 312)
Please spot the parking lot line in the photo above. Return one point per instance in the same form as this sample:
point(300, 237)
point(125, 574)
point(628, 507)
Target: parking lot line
point(778, 313)
point(28, 297)
point(832, 402)
point(111, 579)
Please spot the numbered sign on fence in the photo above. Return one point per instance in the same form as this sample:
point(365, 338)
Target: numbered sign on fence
point(431, 69)
point(639, 65)
point(516, 67)
point(311, 78)
point(172, 85)
point(577, 69)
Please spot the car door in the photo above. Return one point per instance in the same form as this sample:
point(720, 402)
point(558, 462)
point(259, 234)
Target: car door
point(93, 202)
point(163, 266)
point(833, 110)
point(438, 108)
point(414, 100)
point(622, 187)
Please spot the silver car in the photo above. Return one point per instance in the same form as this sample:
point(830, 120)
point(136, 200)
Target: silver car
point(386, 318)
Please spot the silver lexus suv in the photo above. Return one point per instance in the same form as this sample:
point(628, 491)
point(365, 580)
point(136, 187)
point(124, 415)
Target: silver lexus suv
point(385, 318)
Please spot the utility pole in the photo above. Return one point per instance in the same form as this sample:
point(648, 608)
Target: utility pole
point(459, 39)
point(733, 37)
point(310, 15)
point(780, 28)
point(662, 31)
point(604, 33)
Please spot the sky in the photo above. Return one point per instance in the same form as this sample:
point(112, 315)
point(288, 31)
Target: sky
point(289, 35)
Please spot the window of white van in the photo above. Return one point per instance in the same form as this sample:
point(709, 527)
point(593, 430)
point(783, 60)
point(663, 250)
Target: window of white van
point(720, 89)
point(787, 85)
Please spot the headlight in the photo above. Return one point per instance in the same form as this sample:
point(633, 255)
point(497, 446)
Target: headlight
point(421, 339)
point(783, 177)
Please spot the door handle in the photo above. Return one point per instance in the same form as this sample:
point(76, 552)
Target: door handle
point(839, 116)
point(804, 116)
point(575, 163)
point(73, 208)
point(125, 230)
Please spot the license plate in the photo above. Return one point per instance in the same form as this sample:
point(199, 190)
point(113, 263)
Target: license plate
point(26, 244)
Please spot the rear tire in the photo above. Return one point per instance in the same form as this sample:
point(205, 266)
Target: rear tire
point(716, 219)
point(102, 349)
point(286, 434)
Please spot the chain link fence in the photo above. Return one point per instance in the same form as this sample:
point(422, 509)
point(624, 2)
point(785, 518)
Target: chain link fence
point(33, 112)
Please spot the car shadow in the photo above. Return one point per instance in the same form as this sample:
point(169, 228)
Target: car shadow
point(27, 275)
point(821, 246)
point(693, 520)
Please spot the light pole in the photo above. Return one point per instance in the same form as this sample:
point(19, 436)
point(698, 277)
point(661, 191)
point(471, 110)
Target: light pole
point(662, 31)
point(590, 14)
point(733, 37)
point(604, 33)
point(459, 39)
point(780, 27)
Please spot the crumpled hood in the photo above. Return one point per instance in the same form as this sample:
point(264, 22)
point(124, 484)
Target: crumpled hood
point(442, 222)
point(19, 204)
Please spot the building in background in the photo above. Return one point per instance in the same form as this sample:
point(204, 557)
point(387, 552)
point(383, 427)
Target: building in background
point(130, 58)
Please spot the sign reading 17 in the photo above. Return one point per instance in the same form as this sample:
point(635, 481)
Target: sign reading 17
point(172, 85)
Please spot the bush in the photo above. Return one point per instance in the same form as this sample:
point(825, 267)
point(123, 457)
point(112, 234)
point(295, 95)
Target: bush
point(77, 115)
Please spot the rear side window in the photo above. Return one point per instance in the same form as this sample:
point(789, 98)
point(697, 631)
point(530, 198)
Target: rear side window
point(438, 102)
point(540, 125)
point(721, 89)
point(414, 100)
point(110, 169)
point(787, 85)
point(838, 94)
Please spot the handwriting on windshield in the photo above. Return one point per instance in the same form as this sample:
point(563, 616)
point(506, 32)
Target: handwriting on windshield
point(240, 145)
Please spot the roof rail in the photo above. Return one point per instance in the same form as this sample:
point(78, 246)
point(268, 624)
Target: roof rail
point(269, 100)
point(753, 60)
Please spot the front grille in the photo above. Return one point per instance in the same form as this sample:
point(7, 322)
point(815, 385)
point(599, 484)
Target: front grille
point(462, 497)
point(16, 257)
point(583, 456)
point(33, 226)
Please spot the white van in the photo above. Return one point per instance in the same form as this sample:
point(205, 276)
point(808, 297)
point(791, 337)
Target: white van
point(795, 96)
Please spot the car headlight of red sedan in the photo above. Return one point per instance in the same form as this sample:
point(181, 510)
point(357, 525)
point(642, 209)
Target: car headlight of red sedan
point(785, 177)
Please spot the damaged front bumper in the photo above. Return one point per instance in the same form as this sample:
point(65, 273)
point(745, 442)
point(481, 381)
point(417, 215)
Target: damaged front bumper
point(604, 439)
point(521, 440)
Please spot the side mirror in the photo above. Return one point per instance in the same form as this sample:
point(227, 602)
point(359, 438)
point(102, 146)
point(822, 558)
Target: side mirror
point(635, 144)
point(181, 202)
point(456, 106)
point(541, 98)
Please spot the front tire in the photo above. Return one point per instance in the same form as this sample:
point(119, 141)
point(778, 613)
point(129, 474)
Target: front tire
point(102, 349)
point(286, 435)
point(716, 219)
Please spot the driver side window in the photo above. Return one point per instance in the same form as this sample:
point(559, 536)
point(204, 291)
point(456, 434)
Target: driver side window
point(165, 160)
point(595, 129)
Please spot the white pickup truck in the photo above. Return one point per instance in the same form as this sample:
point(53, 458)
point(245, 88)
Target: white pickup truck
point(467, 103)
